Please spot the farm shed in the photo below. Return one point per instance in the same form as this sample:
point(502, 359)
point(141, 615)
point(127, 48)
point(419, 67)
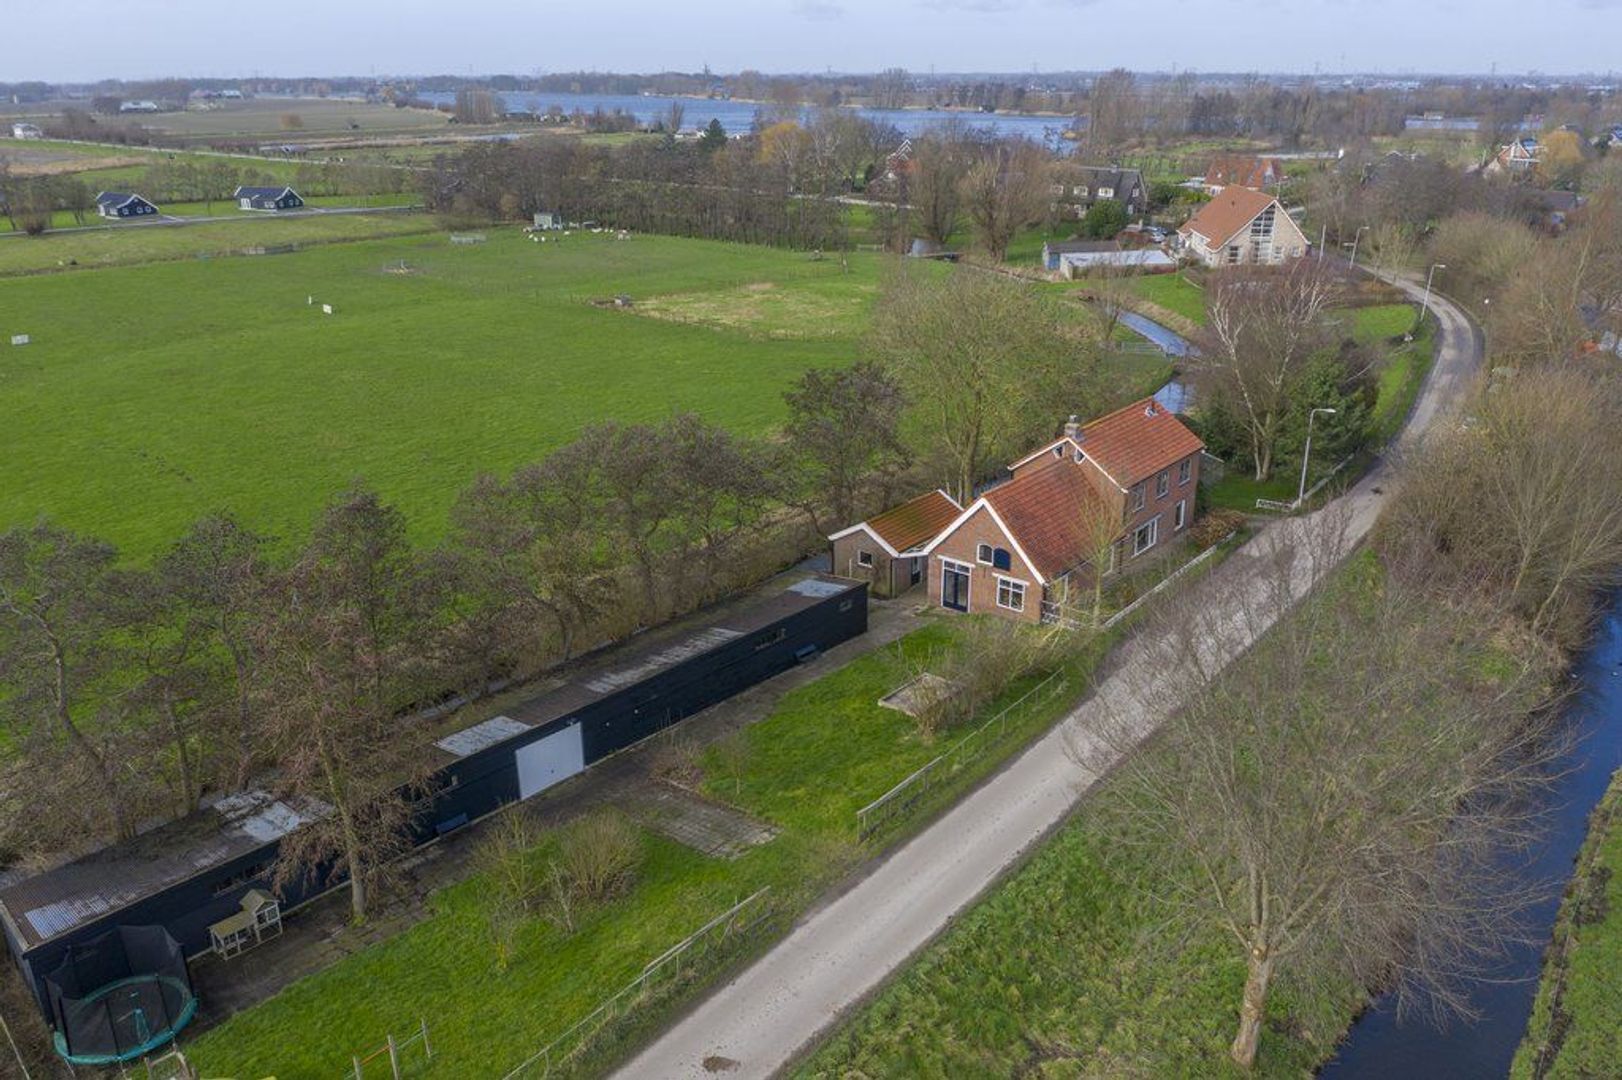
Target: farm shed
point(267, 198)
point(123, 204)
point(190, 873)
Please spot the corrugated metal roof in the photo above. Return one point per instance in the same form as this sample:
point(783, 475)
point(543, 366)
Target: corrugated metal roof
point(476, 738)
point(59, 900)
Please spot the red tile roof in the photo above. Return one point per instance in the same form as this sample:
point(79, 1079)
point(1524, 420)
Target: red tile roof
point(1048, 510)
point(1138, 441)
point(1251, 172)
point(916, 521)
point(1231, 210)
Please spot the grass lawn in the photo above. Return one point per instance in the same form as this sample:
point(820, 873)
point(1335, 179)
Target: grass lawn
point(151, 395)
point(220, 208)
point(1381, 322)
point(1586, 1028)
point(1174, 293)
point(1060, 972)
point(1404, 373)
point(827, 750)
point(142, 244)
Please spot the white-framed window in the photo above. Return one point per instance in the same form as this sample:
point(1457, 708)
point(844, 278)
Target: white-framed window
point(1185, 471)
point(982, 554)
point(1139, 497)
point(1146, 536)
point(1180, 518)
point(1106, 193)
point(1081, 190)
point(864, 558)
point(1162, 484)
point(1010, 594)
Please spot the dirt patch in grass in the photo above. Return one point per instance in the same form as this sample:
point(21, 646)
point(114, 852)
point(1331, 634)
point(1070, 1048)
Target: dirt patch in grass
point(49, 163)
point(766, 309)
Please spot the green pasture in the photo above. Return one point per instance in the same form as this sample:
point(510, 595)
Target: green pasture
point(153, 394)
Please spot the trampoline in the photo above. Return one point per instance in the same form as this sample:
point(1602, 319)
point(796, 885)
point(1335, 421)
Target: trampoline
point(120, 996)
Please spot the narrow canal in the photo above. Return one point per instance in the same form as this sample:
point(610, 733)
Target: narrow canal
point(1378, 1045)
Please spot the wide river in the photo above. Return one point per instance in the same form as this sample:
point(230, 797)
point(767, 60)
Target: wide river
point(737, 116)
point(1378, 1045)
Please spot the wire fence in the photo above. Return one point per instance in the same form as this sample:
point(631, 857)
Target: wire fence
point(685, 958)
point(394, 1049)
point(899, 800)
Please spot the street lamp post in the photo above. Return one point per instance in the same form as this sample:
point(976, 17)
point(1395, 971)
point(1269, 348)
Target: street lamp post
point(1425, 307)
point(1306, 454)
point(1356, 239)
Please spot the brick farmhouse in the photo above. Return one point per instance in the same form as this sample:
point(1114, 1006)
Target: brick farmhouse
point(887, 551)
point(1113, 488)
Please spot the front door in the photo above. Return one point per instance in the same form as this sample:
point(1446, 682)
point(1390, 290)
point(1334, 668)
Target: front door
point(916, 573)
point(954, 586)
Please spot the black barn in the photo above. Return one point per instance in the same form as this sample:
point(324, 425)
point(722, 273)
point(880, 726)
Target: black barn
point(190, 873)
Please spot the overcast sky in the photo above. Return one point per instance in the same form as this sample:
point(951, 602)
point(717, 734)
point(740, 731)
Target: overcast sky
point(71, 40)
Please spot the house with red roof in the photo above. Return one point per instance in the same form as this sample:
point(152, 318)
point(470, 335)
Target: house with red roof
point(1241, 170)
point(1241, 226)
point(887, 550)
point(1102, 494)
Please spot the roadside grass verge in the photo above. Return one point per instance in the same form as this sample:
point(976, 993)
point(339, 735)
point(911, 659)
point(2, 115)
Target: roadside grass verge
point(827, 749)
point(1576, 1025)
point(1064, 970)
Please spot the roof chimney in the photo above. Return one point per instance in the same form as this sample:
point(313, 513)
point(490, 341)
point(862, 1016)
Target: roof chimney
point(1072, 427)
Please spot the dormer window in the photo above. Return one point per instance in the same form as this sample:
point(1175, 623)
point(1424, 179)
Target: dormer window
point(1080, 457)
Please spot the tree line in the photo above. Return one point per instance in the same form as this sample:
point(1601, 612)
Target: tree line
point(1342, 808)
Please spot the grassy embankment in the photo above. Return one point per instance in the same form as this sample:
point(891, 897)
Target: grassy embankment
point(826, 750)
point(1576, 1025)
point(1067, 968)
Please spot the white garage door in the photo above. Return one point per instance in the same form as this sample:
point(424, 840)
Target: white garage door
point(547, 761)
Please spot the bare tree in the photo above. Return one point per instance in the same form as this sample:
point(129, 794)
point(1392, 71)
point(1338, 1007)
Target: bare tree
point(844, 432)
point(344, 650)
point(1263, 328)
point(1336, 805)
point(215, 580)
point(978, 356)
point(55, 648)
point(934, 184)
point(1005, 191)
point(720, 487)
point(1513, 500)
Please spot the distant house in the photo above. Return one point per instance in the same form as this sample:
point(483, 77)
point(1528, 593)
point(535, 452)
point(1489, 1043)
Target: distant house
point(1557, 206)
point(20, 130)
point(1239, 170)
point(1078, 188)
point(899, 161)
point(1024, 549)
point(1242, 226)
point(267, 198)
point(1518, 158)
point(547, 221)
point(123, 204)
point(887, 550)
point(141, 106)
